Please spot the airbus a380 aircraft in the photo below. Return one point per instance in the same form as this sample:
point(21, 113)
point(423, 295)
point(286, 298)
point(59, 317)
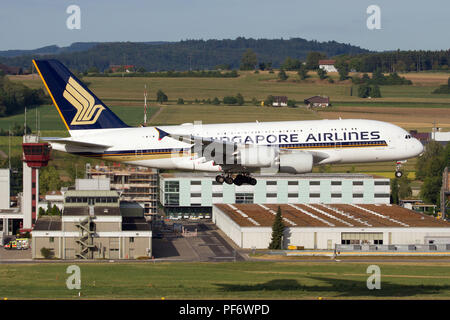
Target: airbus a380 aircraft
point(234, 150)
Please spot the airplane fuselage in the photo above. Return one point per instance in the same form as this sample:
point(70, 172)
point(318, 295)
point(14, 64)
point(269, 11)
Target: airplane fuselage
point(342, 141)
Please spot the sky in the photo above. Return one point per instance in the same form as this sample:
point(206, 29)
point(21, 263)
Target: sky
point(404, 24)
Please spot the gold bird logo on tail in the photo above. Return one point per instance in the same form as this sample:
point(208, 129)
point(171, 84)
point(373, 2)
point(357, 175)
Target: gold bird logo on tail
point(87, 111)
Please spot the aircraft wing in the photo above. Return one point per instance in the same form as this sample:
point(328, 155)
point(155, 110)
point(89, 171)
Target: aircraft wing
point(75, 143)
point(226, 149)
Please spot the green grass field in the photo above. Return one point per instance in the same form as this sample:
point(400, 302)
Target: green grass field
point(240, 280)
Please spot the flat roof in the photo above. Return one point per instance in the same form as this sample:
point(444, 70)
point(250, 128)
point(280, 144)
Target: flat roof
point(91, 193)
point(197, 175)
point(48, 223)
point(329, 215)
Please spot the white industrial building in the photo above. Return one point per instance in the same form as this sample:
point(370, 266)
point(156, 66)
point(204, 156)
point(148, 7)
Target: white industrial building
point(193, 194)
point(323, 226)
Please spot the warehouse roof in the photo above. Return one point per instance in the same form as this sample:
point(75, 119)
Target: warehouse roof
point(329, 215)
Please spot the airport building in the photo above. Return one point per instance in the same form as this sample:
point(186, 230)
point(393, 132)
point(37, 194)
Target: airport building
point(185, 195)
point(134, 184)
point(326, 226)
point(93, 225)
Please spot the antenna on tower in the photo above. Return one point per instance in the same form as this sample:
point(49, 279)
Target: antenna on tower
point(145, 106)
point(25, 123)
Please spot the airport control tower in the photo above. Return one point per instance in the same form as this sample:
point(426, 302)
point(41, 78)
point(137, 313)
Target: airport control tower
point(35, 156)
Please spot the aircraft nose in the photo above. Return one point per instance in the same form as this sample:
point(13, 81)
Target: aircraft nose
point(418, 147)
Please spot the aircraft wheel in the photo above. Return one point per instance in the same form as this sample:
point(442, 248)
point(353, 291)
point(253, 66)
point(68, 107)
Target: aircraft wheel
point(398, 174)
point(229, 180)
point(220, 179)
point(252, 181)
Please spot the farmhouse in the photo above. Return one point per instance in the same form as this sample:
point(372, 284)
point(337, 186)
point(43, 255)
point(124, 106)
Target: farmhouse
point(127, 68)
point(317, 101)
point(279, 101)
point(327, 65)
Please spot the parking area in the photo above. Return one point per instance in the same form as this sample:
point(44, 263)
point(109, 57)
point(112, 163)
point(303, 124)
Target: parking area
point(203, 241)
point(9, 255)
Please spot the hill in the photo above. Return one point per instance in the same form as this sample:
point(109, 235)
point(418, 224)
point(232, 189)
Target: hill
point(182, 55)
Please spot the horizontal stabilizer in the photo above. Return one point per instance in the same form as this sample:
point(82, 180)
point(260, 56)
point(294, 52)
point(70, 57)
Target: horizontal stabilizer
point(75, 143)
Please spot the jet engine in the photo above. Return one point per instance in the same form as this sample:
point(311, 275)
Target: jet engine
point(297, 162)
point(257, 156)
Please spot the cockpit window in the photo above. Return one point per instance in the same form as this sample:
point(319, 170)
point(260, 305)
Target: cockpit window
point(408, 136)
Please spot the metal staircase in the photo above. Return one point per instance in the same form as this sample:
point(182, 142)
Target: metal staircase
point(86, 241)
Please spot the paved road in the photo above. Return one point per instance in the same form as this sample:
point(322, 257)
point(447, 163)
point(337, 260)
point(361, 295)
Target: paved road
point(210, 244)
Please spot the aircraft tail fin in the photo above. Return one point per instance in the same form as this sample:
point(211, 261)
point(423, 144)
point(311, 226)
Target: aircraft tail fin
point(78, 107)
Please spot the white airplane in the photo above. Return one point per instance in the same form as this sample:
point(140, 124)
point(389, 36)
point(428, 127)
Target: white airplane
point(234, 150)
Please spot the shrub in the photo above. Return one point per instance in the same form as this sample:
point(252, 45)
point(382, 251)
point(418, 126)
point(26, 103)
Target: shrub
point(230, 100)
point(215, 101)
point(46, 253)
point(161, 97)
point(180, 101)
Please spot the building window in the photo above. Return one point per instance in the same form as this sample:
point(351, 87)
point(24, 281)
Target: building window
point(196, 183)
point(217, 195)
point(244, 197)
point(172, 186)
point(292, 183)
point(358, 183)
point(131, 239)
point(381, 195)
point(336, 183)
point(336, 195)
point(51, 239)
point(358, 195)
point(314, 195)
point(292, 195)
point(381, 183)
point(271, 183)
point(314, 183)
point(271, 195)
point(172, 199)
point(196, 195)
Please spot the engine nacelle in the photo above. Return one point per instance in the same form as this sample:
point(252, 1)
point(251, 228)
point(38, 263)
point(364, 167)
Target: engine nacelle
point(297, 162)
point(257, 156)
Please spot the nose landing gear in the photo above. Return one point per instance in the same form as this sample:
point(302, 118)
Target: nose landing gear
point(398, 169)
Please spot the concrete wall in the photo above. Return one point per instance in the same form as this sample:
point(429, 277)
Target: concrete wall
point(4, 189)
point(108, 247)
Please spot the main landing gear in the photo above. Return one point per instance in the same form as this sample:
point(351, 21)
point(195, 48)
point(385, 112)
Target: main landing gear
point(240, 179)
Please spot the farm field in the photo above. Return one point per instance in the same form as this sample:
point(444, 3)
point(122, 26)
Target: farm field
point(239, 280)
point(411, 107)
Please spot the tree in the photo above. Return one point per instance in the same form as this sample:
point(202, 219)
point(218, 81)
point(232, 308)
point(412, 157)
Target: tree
point(240, 99)
point(303, 72)
point(161, 97)
point(374, 91)
point(343, 69)
point(291, 64)
point(49, 180)
point(394, 191)
point(215, 101)
point(282, 75)
point(248, 60)
point(229, 100)
point(277, 232)
point(312, 59)
point(180, 101)
point(430, 164)
point(404, 186)
point(321, 73)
